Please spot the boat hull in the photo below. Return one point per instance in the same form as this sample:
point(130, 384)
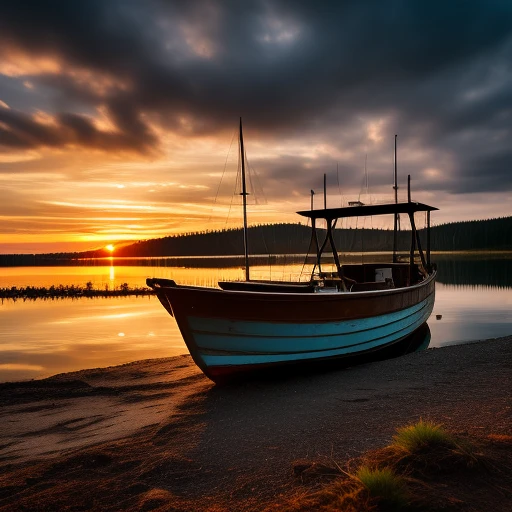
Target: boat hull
point(231, 333)
point(416, 341)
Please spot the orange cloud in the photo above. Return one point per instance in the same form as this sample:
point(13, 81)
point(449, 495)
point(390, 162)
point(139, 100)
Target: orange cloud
point(17, 63)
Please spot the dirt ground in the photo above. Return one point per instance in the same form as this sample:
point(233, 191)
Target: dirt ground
point(158, 435)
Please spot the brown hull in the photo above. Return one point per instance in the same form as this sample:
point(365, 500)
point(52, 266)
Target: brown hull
point(229, 333)
point(288, 307)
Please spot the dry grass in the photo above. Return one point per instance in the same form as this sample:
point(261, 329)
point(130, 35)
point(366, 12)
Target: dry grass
point(342, 494)
point(416, 472)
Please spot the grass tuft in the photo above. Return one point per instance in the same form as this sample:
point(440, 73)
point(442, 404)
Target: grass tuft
point(427, 448)
point(422, 436)
point(384, 486)
point(409, 474)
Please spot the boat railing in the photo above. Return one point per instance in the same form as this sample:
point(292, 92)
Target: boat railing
point(371, 276)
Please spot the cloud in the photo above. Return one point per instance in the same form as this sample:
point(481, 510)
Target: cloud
point(320, 86)
point(21, 131)
point(276, 63)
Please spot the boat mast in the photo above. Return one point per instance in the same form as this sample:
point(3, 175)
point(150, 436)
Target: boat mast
point(244, 199)
point(395, 226)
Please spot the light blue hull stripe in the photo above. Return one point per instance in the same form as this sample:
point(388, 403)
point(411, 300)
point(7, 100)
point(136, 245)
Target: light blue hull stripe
point(224, 328)
point(248, 337)
point(239, 343)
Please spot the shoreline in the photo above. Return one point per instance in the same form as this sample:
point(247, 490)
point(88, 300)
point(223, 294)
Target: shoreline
point(160, 428)
point(70, 292)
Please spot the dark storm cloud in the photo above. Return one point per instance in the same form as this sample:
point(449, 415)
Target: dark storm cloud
point(91, 33)
point(440, 71)
point(497, 173)
point(20, 131)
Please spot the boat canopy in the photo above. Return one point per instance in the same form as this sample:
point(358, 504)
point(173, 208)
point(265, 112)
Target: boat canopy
point(330, 214)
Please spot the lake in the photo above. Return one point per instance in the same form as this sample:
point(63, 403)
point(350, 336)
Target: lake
point(44, 337)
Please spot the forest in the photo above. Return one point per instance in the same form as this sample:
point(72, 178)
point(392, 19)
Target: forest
point(494, 234)
point(273, 239)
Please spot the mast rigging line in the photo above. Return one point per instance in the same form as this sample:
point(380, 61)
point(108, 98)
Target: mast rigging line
point(234, 192)
point(365, 183)
point(221, 178)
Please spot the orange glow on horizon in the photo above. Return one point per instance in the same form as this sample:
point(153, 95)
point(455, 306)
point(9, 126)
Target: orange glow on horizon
point(81, 199)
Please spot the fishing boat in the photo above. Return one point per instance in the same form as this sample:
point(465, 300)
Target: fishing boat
point(353, 314)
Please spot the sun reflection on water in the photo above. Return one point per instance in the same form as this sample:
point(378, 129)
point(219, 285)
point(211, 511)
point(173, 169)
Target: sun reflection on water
point(45, 337)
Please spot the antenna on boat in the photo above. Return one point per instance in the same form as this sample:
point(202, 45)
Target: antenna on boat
point(395, 225)
point(244, 199)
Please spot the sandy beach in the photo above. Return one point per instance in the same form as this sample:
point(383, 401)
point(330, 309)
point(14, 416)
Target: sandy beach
point(158, 435)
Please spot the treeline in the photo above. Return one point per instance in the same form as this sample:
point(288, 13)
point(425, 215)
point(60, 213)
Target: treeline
point(41, 260)
point(265, 239)
point(493, 234)
point(272, 239)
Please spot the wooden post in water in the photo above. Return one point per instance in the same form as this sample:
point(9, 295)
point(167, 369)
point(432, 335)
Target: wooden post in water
point(244, 199)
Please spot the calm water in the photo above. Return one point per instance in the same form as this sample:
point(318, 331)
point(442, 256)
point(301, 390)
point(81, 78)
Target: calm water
point(42, 338)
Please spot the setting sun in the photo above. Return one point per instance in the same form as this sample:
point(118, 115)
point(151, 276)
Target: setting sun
point(110, 247)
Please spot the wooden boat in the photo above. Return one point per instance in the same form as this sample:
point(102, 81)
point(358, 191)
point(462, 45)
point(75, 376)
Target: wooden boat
point(358, 313)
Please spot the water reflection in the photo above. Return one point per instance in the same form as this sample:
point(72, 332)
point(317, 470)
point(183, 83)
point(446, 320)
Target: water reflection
point(41, 338)
point(112, 273)
point(113, 277)
point(483, 270)
point(470, 312)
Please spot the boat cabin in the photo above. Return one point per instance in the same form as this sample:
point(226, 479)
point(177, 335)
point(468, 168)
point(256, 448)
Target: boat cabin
point(369, 276)
point(361, 277)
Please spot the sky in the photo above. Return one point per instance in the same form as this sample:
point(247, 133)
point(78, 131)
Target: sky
point(119, 118)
